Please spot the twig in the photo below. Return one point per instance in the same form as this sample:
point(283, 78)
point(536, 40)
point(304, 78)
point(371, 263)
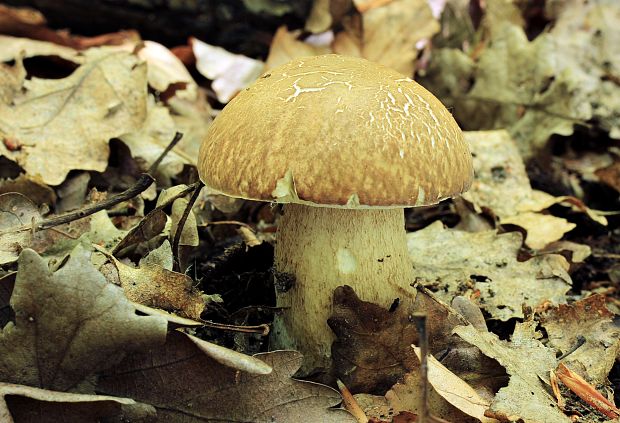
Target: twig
point(260, 329)
point(420, 321)
point(351, 404)
point(141, 185)
point(173, 143)
point(181, 225)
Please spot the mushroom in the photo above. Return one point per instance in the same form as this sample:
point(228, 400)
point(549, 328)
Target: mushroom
point(346, 145)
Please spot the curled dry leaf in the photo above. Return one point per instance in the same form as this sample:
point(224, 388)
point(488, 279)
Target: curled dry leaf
point(588, 318)
point(155, 286)
point(528, 362)
point(103, 98)
point(26, 404)
point(30, 186)
point(186, 385)
point(484, 266)
point(69, 324)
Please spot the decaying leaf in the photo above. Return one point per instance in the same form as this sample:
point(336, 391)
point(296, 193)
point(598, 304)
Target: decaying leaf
point(372, 347)
point(16, 211)
point(155, 286)
point(484, 265)
point(185, 385)
point(31, 187)
point(65, 124)
point(590, 319)
point(528, 362)
point(69, 324)
point(26, 404)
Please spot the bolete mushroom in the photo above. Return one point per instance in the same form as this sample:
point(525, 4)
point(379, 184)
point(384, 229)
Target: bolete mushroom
point(346, 144)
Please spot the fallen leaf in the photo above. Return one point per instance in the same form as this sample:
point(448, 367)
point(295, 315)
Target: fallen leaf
point(542, 229)
point(392, 32)
point(590, 319)
point(31, 187)
point(501, 186)
point(484, 265)
point(69, 324)
point(165, 69)
point(372, 347)
point(14, 48)
point(7, 282)
point(455, 390)
point(16, 211)
point(528, 363)
point(229, 72)
point(103, 98)
point(285, 46)
point(186, 385)
point(154, 286)
point(25, 404)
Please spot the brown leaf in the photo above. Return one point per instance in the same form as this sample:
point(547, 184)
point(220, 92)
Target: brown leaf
point(285, 46)
point(16, 211)
point(373, 345)
point(588, 318)
point(155, 286)
point(31, 187)
point(66, 124)
point(185, 385)
point(25, 404)
point(69, 324)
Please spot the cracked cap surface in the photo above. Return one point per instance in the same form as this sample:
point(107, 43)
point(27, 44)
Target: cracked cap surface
point(336, 131)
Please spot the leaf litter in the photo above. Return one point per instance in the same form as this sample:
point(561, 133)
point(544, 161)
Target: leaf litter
point(518, 278)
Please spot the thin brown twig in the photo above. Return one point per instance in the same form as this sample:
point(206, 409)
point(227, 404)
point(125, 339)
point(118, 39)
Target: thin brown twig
point(140, 186)
point(173, 143)
point(259, 329)
point(420, 321)
point(181, 225)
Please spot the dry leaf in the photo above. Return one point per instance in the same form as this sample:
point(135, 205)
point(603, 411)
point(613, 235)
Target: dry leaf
point(372, 347)
point(484, 266)
point(31, 187)
point(185, 385)
point(528, 362)
point(455, 390)
point(502, 186)
point(16, 211)
point(25, 404)
point(65, 124)
point(392, 32)
point(229, 72)
point(154, 286)
point(591, 319)
point(69, 324)
point(165, 69)
point(285, 46)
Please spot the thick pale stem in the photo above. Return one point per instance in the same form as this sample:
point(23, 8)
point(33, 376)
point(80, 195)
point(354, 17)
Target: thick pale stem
point(319, 249)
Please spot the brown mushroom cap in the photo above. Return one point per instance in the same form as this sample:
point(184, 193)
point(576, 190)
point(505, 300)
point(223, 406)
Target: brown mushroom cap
point(336, 131)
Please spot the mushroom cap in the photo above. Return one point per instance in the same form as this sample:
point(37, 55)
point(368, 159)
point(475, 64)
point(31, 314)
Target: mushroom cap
point(336, 131)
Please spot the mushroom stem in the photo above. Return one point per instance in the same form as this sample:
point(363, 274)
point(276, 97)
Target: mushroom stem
point(321, 248)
